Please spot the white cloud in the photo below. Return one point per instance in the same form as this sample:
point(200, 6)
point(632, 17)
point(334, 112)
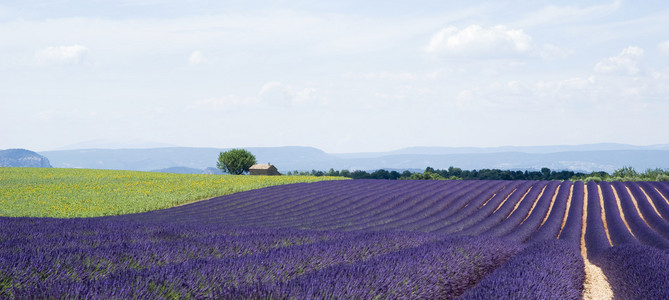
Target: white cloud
point(271, 94)
point(552, 89)
point(568, 14)
point(63, 55)
point(47, 115)
point(463, 97)
point(392, 76)
point(664, 47)
point(476, 40)
point(627, 62)
point(275, 92)
point(549, 51)
point(221, 103)
point(197, 58)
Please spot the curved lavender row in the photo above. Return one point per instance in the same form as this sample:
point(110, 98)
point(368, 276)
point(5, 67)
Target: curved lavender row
point(552, 223)
point(488, 208)
point(516, 217)
point(658, 224)
point(574, 224)
point(306, 202)
point(283, 218)
point(533, 220)
point(550, 269)
point(596, 240)
point(425, 272)
point(243, 201)
point(39, 255)
point(354, 192)
point(642, 232)
point(200, 278)
point(263, 212)
point(339, 208)
point(426, 211)
point(658, 197)
point(368, 199)
point(220, 211)
point(617, 228)
point(472, 200)
point(503, 212)
point(636, 271)
point(469, 205)
point(418, 224)
point(440, 192)
point(396, 210)
point(447, 208)
point(354, 214)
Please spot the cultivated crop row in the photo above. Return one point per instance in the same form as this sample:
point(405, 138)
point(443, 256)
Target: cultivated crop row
point(356, 239)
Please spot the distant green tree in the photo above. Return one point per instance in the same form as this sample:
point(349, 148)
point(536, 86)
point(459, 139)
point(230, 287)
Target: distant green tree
point(625, 172)
point(394, 175)
point(545, 173)
point(235, 161)
point(332, 172)
point(427, 175)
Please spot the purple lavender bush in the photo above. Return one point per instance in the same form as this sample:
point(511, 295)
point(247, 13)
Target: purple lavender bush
point(550, 269)
point(636, 271)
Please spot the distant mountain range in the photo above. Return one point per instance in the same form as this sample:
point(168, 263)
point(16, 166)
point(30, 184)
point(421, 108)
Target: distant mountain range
point(587, 158)
point(22, 158)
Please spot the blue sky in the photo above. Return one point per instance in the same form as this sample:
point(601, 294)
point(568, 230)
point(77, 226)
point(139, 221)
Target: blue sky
point(342, 76)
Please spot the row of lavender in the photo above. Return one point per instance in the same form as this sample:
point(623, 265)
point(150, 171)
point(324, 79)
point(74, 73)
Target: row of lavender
point(517, 210)
point(635, 214)
point(353, 239)
point(114, 259)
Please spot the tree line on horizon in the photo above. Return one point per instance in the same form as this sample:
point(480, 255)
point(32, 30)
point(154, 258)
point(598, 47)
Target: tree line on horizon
point(452, 173)
point(238, 161)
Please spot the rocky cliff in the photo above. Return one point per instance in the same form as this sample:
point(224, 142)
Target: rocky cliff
point(22, 158)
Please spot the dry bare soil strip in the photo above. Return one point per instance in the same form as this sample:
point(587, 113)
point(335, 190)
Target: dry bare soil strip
point(601, 205)
point(566, 210)
point(596, 285)
point(620, 211)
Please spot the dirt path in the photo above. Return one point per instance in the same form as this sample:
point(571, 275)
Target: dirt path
point(508, 196)
point(518, 203)
point(620, 209)
point(533, 205)
point(651, 203)
point(566, 211)
point(636, 205)
point(663, 197)
point(550, 208)
point(603, 212)
point(596, 285)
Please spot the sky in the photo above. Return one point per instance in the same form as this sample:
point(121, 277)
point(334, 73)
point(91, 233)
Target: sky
point(341, 76)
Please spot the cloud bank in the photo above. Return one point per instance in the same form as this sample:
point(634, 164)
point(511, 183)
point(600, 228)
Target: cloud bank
point(626, 62)
point(477, 40)
point(62, 55)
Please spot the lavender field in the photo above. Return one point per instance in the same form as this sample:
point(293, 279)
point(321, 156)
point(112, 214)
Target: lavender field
point(357, 239)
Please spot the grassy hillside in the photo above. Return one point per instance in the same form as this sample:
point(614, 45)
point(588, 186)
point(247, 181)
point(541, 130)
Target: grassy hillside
point(67, 193)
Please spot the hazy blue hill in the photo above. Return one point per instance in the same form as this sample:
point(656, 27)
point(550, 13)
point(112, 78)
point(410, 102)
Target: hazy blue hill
point(196, 158)
point(569, 160)
point(523, 149)
point(596, 157)
point(22, 158)
point(180, 170)
point(134, 159)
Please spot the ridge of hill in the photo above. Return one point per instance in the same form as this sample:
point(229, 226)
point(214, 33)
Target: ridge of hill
point(585, 158)
point(22, 158)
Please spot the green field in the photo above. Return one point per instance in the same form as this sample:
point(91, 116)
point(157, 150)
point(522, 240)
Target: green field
point(70, 193)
